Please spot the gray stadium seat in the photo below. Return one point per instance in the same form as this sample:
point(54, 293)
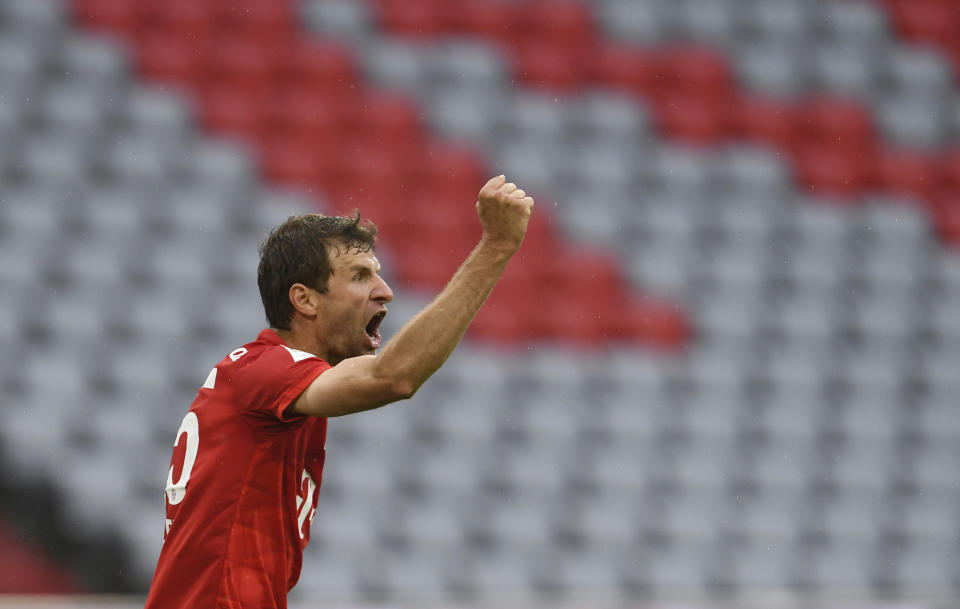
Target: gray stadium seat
point(855, 519)
point(929, 568)
point(503, 574)
point(841, 569)
point(777, 21)
point(914, 118)
point(783, 466)
point(859, 23)
point(346, 528)
point(928, 520)
point(131, 157)
point(588, 575)
point(467, 66)
point(772, 67)
point(55, 159)
point(678, 570)
point(706, 21)
point(151, 109)
point(644, 22)
point(871, 466)
point(916, 68)
point(397, 64)
point(760, 567)
point(433, 526)
point(610, 117)
point(465, 115)
point(95, 61)
point(845, 68)
point(338, 18)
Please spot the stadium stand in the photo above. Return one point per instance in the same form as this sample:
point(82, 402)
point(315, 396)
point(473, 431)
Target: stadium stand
point(725, 362)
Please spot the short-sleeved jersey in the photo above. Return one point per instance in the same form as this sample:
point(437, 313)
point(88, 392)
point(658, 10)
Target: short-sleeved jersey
point(242, 485)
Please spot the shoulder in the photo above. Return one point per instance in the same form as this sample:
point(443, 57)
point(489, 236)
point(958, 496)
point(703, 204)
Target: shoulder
point(269, 355)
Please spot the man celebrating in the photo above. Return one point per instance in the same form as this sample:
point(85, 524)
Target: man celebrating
point(248, 457)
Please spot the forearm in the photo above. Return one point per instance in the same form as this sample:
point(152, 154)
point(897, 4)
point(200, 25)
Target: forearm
point(427, 340)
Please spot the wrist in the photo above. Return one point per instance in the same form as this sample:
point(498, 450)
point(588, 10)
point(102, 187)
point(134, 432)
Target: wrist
point(498, 247)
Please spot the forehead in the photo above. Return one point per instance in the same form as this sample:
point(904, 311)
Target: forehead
point(346, 258)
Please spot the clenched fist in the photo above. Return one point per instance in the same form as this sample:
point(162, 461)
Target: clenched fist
point(504, 212)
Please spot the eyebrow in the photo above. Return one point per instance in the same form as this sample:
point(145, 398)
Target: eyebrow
point(363, 267)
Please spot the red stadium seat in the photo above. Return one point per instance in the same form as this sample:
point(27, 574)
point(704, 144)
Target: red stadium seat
point(375, 198)
point(168, 59)
point(417, 18)
point(373, 160)
point(627, 69)
point(498, 321)
point(698, 72)
point(258, 19)
point(768, 121)
point(386, 116)
point(656, 323)
point(490, 20)
point(238, 58)
point(935, 21)
point(580, 291)
point(542, 241)
point(831, 171)
point(235, 109)
point(572, 319)
point(950, 171)
point(116, 16)
point(694, 118)
point(906, 173)
point(186, 17)
point(315, 64)
point(562, 22)
point(947, 217)
point(292, 159)
point(576, 267)
point(546, 64)
point(310, 112)
point(422, 263)
point(839, 124)
point(451, 168)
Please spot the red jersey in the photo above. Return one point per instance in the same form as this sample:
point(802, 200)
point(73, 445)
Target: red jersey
point(242, 486)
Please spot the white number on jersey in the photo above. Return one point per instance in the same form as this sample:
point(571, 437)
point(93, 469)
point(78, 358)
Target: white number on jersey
point(177, 490)
point(306, 506)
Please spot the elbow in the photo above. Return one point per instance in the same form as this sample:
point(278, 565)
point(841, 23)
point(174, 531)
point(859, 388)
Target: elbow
point(403, 389)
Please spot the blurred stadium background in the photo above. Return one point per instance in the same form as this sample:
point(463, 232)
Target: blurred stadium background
point(725, 368)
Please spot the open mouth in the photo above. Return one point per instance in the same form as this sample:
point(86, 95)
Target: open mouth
point(373, 329)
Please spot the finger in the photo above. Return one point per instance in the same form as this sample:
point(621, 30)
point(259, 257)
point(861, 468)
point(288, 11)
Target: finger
point(508, 188)
point(527, 201)
point(495, 182)
point(518, 193)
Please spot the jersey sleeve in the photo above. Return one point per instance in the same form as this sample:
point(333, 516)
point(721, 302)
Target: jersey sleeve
point(267, 382)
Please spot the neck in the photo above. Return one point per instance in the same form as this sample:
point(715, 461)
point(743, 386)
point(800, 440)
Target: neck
point(304, 342)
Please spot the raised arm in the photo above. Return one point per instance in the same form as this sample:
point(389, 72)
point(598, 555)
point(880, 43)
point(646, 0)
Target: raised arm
point(425, 342)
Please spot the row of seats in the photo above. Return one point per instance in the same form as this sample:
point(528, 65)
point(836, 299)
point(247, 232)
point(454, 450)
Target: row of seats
point(698, 106)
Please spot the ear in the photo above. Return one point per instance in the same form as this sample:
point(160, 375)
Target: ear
point(303, 299)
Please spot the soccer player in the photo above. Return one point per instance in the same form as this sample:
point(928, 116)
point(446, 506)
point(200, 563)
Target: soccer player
point(248, 457)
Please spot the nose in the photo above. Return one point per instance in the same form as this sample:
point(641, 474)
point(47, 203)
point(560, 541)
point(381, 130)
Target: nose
point(381, 292)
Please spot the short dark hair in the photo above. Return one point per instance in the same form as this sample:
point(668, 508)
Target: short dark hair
point(298, 251)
